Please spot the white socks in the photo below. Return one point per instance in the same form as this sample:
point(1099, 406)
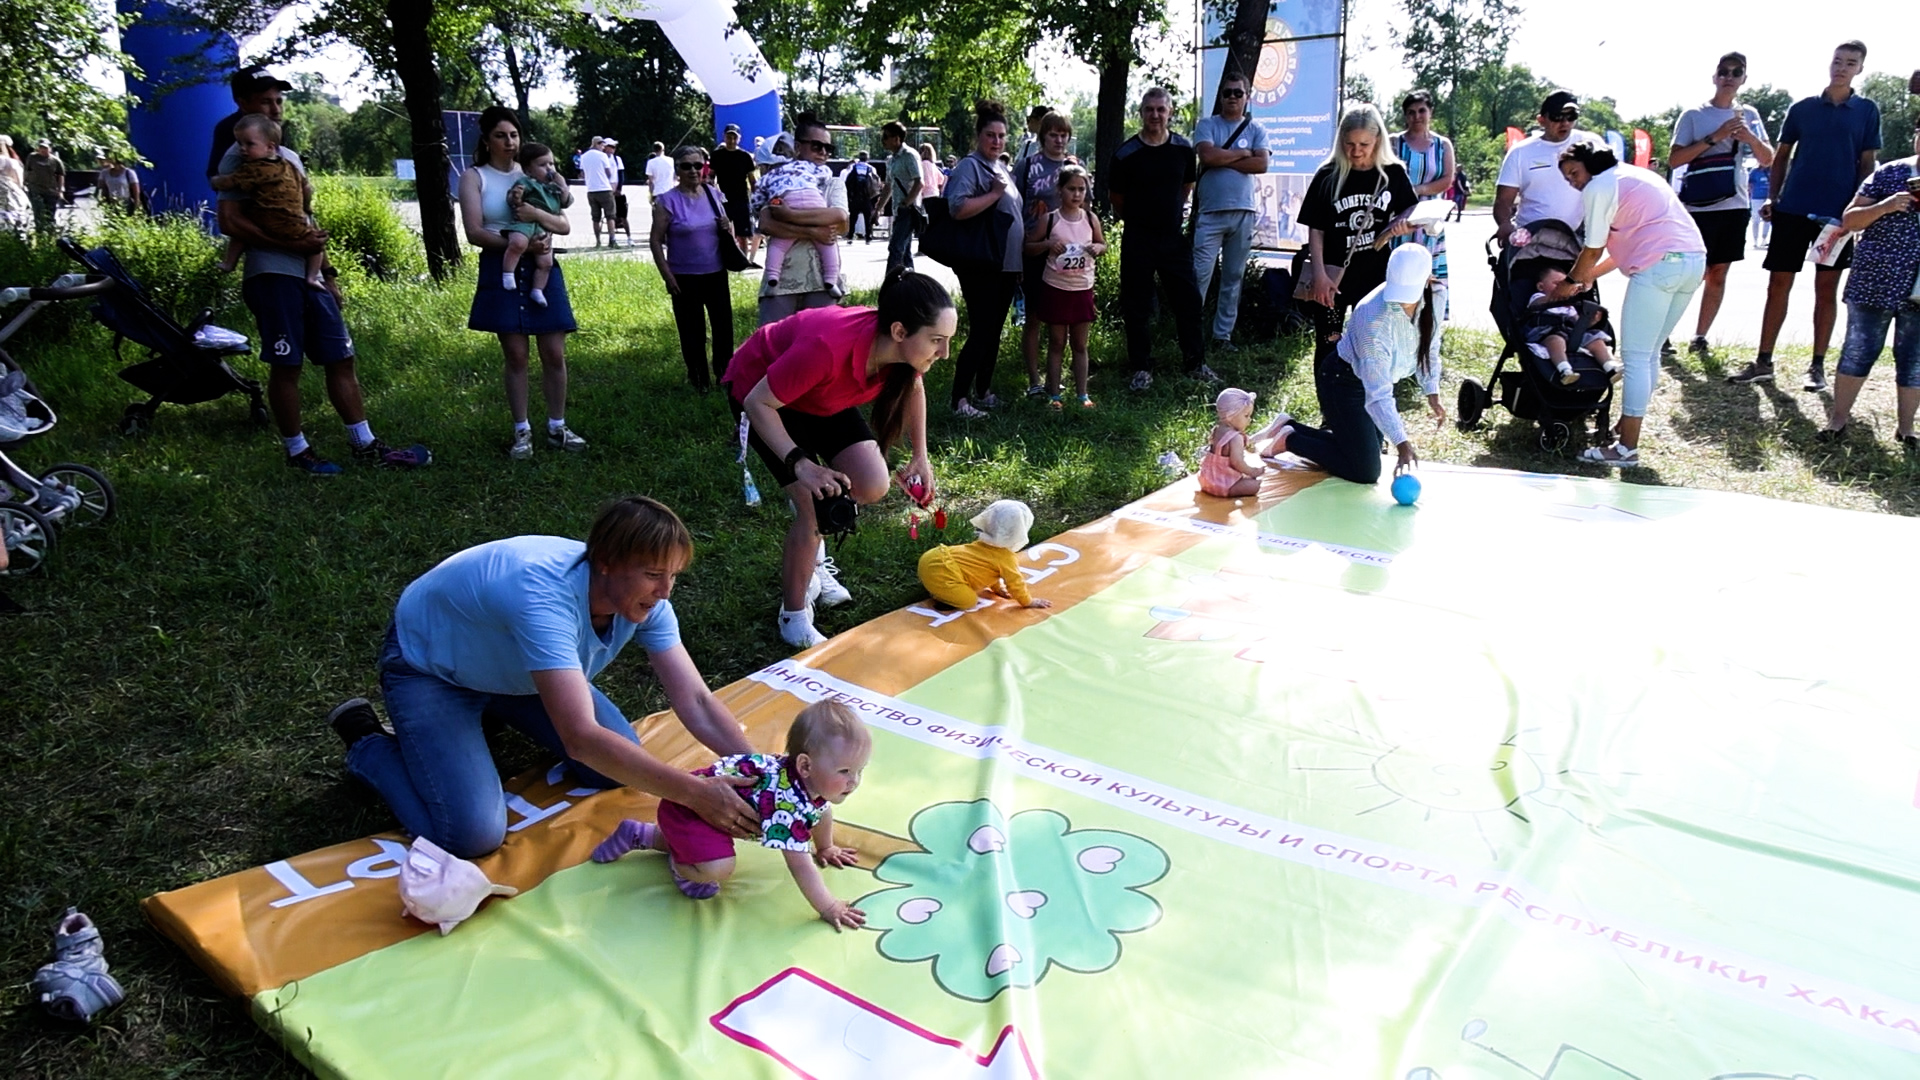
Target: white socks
point(507, 282)
point(359, 434)
point(296, 444)
point(796, 629)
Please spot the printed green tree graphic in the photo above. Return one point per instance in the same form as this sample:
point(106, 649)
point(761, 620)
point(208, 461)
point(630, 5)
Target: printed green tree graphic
point(995, 903)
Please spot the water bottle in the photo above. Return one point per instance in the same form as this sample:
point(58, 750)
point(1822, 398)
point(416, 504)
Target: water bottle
point(753, 492)
point(1019, 307)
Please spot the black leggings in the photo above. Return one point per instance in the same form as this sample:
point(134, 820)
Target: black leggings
point(1346, 444)
point(988, 295)
point(708, 291)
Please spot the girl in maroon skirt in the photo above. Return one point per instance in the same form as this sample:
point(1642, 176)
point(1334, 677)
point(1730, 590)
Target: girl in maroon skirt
point(1071, 239)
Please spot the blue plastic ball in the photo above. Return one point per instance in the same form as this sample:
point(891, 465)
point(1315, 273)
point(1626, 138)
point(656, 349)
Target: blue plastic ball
point(1406, 489)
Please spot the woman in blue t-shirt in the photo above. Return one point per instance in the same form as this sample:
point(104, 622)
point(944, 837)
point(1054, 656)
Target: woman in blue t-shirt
point(514, 631)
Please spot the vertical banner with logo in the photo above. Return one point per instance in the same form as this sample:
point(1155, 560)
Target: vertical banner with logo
point(1295, 98)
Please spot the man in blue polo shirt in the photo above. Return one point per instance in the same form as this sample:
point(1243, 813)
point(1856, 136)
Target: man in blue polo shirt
point(1826, 149)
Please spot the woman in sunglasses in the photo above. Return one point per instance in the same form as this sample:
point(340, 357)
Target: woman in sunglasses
point(689, 225)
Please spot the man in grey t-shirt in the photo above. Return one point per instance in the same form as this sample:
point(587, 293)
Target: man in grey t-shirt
point(1714, 138)
point(1232, 152)
point(297, 323)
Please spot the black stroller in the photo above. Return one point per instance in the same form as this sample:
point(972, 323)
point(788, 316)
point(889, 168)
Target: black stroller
point(185, 365)
point(1531, 389)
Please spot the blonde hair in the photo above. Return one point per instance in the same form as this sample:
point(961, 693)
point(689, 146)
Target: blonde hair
point(1363, 117)
point(259, 125)
point(823, 724)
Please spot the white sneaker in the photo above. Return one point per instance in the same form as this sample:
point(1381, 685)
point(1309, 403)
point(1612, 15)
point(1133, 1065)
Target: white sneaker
point(826, 587)
point(796, 629)
point(522, 448)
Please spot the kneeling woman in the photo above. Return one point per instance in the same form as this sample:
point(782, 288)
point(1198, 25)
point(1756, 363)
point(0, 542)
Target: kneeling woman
point(801, 382)
point(1386, 339)
point(514, 631)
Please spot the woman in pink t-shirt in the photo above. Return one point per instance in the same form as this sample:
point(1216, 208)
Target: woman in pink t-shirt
point(800, 383)
point(1635, 219)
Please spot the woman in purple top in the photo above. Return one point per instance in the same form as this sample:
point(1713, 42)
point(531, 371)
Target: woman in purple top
point(689, 223)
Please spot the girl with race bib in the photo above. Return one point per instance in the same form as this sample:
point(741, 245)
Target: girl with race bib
point(1069, 239)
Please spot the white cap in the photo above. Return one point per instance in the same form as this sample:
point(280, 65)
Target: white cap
point(1004, 524)
point(1232, 400)
point(441, 889)
point(1407, 271)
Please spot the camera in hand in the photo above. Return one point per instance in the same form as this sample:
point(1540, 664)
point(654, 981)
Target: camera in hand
point(836, 515)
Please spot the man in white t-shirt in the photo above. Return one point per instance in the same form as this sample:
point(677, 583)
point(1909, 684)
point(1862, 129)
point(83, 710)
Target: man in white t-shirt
point(596, 168)
point(1531, 187)
point(660, 171)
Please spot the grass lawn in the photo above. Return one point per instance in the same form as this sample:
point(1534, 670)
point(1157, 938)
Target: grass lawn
point(163, 696)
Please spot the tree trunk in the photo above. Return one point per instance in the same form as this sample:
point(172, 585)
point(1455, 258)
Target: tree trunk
point(1249, 29)
point(420, 80)
point(517, 77)
point(1110, 118)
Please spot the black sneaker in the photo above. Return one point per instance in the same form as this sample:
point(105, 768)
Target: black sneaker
point(312, 463)
point(381, 456)
point(1666, 350)
point(354, 720)
point(1756, 372)
point(1698, 346)
point(1816, 381)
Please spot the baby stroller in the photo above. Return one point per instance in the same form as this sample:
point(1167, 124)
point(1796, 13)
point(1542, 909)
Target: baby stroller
point(1531, 389)
point(33, 508)
point(186, 365)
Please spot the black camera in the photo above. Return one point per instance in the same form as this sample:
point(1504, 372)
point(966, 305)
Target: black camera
point(836, 515)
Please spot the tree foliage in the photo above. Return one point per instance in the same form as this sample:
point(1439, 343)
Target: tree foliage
point(46, 47)
point(1897, 112)
point(1447, 42)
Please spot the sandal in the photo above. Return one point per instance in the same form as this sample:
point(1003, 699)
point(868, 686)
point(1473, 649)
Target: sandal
point(75, 985)
point(1054, 403)
point(1086, 402)
point(1617, 455)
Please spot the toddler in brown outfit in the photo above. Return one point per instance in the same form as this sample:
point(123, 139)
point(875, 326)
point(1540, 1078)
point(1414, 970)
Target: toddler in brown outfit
point(279, 197)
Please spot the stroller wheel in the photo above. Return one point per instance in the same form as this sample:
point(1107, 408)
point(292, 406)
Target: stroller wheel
point(29, 538)
point(1554, 436)
point(137, 420)
point(261, 418)
point(1471, 405)
point(75, 495)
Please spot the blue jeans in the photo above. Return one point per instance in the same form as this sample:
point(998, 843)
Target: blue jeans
point(435, 770)
point(1656, 298)
point(900, 237)
point(1231, 232)
point(1867, 335)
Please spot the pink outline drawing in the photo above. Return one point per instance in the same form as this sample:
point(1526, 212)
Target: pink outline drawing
point(987, 1062)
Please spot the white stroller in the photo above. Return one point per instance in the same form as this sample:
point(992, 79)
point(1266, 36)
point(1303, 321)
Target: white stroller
point(33, 508)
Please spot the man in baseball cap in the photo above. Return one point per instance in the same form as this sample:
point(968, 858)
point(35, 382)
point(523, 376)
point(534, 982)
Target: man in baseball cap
point(1531, 187)
point(255, 90)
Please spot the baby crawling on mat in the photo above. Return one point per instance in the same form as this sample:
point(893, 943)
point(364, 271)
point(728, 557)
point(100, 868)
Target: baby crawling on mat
point(827, 749)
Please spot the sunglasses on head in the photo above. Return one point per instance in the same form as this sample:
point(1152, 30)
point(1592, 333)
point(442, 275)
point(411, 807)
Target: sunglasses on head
point(1730, 73)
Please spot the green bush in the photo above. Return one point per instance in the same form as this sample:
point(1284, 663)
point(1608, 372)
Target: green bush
point(364, 230)
point(171, 256)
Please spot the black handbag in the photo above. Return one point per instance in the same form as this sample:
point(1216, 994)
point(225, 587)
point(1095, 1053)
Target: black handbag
point(732, 259)
point(978, 243)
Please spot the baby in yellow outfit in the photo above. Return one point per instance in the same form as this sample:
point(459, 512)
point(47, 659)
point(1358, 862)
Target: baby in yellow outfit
point(955, 574)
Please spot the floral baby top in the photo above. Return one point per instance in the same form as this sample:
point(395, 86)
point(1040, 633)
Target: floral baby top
point(788, 811)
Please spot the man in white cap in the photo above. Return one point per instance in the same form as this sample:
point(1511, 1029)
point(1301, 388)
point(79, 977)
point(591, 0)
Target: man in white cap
point(596, 169)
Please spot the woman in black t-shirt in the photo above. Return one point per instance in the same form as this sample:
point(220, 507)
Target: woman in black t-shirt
point(1361, 195)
